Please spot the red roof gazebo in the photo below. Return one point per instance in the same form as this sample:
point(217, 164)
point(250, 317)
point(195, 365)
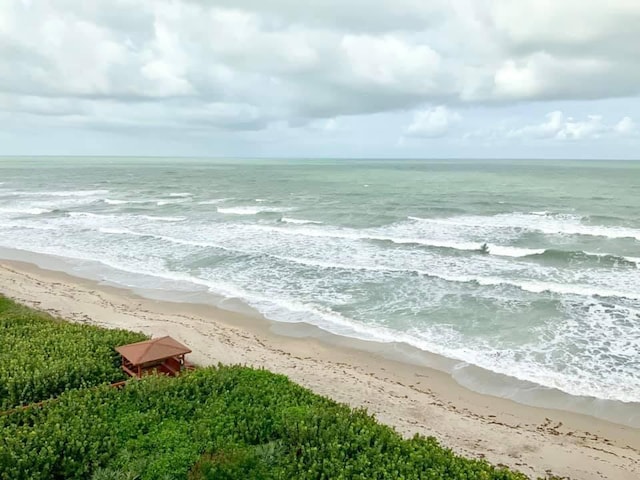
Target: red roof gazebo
point(163, 355)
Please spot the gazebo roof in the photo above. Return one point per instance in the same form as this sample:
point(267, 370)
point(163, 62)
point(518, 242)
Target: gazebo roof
point(152, 350)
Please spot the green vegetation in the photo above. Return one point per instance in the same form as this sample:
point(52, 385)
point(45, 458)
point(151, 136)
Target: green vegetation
point(41, 357)
point(212, 423)
point(226, 422)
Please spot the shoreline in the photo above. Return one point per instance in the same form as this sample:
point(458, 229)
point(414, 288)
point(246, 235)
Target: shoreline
point(467, 375)
point(411, 398)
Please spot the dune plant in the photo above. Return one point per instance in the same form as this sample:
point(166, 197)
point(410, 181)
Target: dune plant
point(41, 356)
point(213, 423)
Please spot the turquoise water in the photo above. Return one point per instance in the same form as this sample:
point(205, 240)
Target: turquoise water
point(379, 250)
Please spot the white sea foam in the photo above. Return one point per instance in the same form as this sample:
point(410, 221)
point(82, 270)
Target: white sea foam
point(119, 231)
point(65, 193)
point(102, 217)
point(161, 219)
point(161, 203)
point(25, 210)
point(407, 274)
point(487, 281)
point(553, 287)
point(109, 201)
point(61, 203)
point(214, 201)
point(299, 221)
point(507, 251)
point(12, 226)
point(252, 210)
point(635, 260)
point(431, 339)
point(507, 361)
point(180, 194)
point(86, 215)
point(166, 238)
point(549, 225)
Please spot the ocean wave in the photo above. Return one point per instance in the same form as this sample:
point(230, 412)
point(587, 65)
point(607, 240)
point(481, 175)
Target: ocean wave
point(528, 286)
point(558, 224)
point(491, 249)
point(26, 211)
point(449, 343)
point(22, 226)
point(180, 194)
point(122, 231)
point(161, 219)
point(166, 238)
point(214, 201)
point(299, 221)
point(552, 287)
point(600, 258)
point(252, 210)
point(497, 250)
point(485, 281)
point(63, 193)
point(103, 216)
point(155, 218)
point(59, 203)
point(87, 215)
point(464, 246)
point(604, 219)
point(161, 203)
point(110, 201)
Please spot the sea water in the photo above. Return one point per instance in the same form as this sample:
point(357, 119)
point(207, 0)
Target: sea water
point(381, 250)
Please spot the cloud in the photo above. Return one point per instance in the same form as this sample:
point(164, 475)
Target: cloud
point(572, 49)
point(390, 63)
point(567, 28)
point(558, 126)
point(244, 64)
point(354, 15)
point(626, 126)
point(116, 115)
point(433, 122)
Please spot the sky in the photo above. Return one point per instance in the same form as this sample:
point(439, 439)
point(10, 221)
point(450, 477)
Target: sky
point(321, 78)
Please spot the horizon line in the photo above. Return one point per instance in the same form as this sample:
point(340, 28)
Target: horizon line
point(248, 157)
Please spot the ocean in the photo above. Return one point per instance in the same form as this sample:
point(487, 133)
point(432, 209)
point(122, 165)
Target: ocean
point(380, 250)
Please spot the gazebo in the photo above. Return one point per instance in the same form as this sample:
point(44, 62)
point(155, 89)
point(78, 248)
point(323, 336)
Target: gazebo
point(163, 355)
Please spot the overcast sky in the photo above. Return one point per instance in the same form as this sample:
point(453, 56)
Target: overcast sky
point(321, 78)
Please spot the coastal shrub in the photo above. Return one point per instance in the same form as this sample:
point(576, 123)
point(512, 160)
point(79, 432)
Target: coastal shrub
point(225, 422)
point(232, 463)
point(41, 356)
point(213, 423)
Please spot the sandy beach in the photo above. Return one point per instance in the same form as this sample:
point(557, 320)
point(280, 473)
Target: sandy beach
point(412, 399)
